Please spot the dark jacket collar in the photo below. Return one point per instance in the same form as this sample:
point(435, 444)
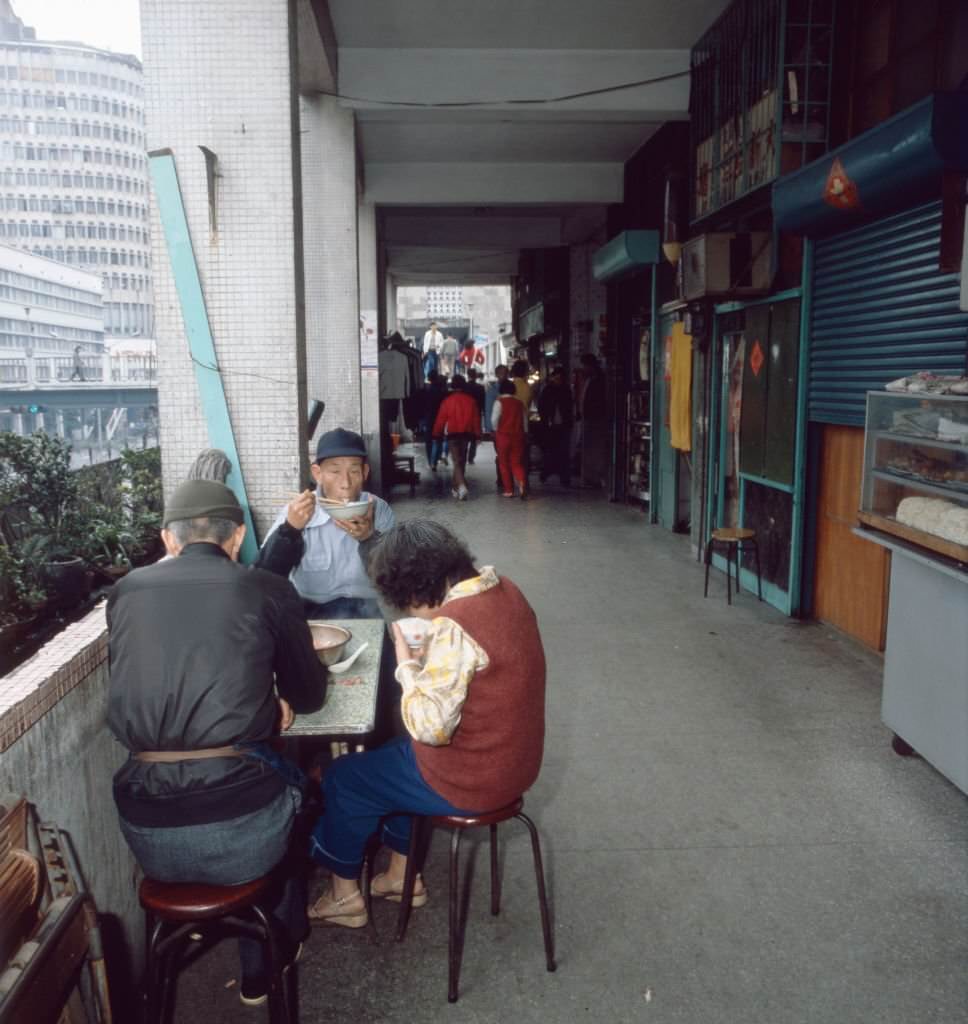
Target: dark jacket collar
point(203, 549)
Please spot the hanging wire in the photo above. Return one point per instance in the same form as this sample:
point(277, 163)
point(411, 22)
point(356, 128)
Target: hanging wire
point(512, 102)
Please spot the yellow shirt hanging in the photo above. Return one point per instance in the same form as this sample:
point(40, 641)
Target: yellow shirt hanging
point(680, 390)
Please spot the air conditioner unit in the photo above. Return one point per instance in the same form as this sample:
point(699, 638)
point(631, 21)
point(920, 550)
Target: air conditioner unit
point(726, 264)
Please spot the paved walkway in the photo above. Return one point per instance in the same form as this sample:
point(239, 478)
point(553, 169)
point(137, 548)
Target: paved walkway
point(729, 837)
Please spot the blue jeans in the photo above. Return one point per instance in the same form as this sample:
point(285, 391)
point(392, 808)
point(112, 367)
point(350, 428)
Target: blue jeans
point(229, 853)
point(438, 448)
point(359, 790)
point(344, 608)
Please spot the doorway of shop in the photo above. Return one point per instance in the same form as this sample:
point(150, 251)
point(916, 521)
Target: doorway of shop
point(754, 478)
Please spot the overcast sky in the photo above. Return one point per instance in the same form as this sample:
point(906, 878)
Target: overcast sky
point(108, 24)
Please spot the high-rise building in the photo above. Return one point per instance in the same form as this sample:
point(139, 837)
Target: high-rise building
point(73, 171)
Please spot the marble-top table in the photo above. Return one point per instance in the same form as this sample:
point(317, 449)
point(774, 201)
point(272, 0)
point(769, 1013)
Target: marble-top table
point(350, 710)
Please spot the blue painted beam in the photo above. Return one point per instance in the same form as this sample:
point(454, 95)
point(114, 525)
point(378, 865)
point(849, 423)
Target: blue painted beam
point(201, 345)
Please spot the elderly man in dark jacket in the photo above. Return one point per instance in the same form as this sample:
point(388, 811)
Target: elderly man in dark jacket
point(207, 659)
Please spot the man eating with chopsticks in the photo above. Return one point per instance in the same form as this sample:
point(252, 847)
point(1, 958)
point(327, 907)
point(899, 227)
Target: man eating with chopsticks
point(324, 556)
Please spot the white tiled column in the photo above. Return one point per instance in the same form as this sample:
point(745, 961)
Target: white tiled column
point(219, 75)
point(369, 317)
point(331, 272)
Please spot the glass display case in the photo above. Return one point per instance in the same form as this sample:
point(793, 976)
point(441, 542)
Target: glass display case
point(916, 470)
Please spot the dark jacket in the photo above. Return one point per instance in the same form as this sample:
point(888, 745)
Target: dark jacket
point(555, 406)
point(196, 644)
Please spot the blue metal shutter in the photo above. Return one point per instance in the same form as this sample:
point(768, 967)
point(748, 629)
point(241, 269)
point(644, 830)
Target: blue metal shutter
point(881, 310)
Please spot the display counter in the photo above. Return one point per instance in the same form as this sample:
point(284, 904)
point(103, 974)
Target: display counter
point(915, 503)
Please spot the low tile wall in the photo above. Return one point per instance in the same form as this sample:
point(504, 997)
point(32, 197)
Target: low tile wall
point(56, 750)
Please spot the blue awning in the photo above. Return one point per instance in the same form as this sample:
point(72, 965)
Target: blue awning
point(885, 170)
point(625, 254)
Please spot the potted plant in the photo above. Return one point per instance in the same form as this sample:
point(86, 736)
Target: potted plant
point(22, 597)
point(35, 472)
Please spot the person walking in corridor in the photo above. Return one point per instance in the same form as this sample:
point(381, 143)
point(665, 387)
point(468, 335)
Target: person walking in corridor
point(510, 437)
point(460, 420)
point(557, 417)
point(476, 390)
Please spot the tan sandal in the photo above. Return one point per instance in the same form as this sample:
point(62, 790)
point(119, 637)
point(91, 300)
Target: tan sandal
point(350, 911)
point(394, 891)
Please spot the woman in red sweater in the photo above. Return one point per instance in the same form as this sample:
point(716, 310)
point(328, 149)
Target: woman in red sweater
point(473, 705)
point(509, 422)
point(460, 418)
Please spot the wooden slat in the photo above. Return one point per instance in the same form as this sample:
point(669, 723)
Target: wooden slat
point(948, 548)
point(852, 575)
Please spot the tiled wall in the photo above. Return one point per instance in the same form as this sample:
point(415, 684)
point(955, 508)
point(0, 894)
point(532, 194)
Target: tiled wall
point(330, 248)
point(218, 75)
point(58, 752)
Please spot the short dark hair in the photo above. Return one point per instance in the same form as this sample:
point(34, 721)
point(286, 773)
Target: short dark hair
point(519, 368)
point(457, 382)
point(417, 562)
point(506, 387)
point(213, 529)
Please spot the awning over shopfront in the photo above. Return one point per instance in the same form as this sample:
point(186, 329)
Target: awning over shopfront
point(878, 173)
point(624, 254)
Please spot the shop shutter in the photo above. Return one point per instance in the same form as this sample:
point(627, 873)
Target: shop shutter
point(881, 310)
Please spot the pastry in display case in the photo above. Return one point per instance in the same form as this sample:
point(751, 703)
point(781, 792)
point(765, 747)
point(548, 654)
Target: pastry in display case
point(916, 470)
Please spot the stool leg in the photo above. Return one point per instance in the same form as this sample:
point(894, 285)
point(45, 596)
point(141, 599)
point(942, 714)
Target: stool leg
point(278, 1010)
point(549, 943)
point(708, 559)
point(454, 944)
point(729, 574)
point(410, 878)
point(153, 1008)
point(495, 877)
point(759, 578)
point(366, 877)
point(737, 549)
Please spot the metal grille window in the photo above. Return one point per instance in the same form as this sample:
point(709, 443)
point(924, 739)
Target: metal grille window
point(760, 97)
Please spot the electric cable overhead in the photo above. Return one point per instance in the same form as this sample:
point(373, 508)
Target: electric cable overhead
point(511, 102)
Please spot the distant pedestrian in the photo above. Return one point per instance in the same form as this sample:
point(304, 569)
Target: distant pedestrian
point(510, 437)
point(78, 373)
point(476, 390)
point(449, 349)
point(431, 397)
point(594, 418)
point(557, 416)
point(459, 419)
point(471, 355)
point(501, 373)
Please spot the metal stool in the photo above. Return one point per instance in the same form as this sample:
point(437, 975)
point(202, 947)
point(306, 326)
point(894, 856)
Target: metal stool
point(174, 910)
point(458, 823)
point(734, 539)
point(408, 461)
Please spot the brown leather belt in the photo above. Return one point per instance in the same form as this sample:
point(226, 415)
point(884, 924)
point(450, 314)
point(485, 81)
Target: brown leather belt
point(172, 756)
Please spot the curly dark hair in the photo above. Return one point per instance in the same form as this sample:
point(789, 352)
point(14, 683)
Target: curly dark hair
point(417, 562)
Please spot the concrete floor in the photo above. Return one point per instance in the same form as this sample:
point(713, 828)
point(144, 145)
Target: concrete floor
point(728, 835)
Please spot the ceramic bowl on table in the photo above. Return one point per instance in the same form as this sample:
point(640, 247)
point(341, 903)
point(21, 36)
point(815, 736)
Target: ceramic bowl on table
point(351, 510)
point(329, 641)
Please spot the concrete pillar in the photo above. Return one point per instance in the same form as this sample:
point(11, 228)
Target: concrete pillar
point(329, 191)
point(60, 423)
point(223, 76)
point(369, 331)
point(18, 424)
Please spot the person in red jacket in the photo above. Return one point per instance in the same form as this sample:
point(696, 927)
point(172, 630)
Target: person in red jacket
point(460, 418)
point(473, 703)
point(508, 420)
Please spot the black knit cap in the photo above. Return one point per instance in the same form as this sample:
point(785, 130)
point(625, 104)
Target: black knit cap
point(198, 499)
point(338, 443)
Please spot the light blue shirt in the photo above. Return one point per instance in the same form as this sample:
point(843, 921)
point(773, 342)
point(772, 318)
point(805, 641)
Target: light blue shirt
point(331, 566)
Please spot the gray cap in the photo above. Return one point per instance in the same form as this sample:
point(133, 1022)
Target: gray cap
point(198, 499)
point(339, 442)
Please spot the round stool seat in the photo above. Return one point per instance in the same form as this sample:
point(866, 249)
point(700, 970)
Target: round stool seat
point(732, 534)
point(175, 901)
point(473, 820)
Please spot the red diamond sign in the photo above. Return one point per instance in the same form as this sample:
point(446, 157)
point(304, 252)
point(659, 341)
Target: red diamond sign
point(756, 358)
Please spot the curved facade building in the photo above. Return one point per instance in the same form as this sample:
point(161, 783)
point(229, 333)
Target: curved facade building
point(73, 171)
